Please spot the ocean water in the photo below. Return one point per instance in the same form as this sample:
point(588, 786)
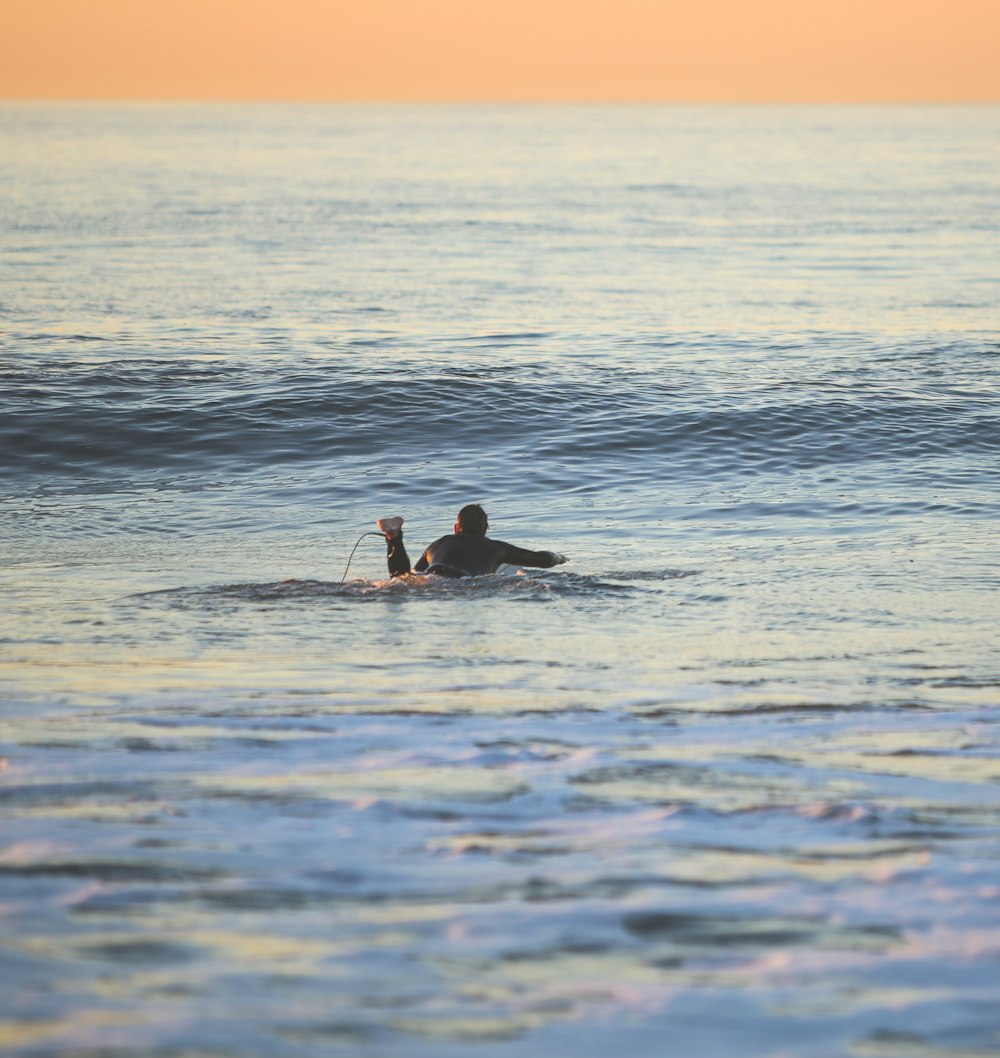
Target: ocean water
point(724, 784)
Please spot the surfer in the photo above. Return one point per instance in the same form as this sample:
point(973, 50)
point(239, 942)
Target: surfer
point(467, 552)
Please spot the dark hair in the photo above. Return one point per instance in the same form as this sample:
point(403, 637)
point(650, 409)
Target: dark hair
point(472, 520)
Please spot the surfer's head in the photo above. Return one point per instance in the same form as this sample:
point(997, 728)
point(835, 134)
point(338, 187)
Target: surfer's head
point(472, 521)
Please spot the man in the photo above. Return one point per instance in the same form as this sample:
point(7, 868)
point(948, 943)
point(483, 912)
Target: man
point(468, 552)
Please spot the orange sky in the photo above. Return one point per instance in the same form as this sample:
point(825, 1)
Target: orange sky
point(669, 50)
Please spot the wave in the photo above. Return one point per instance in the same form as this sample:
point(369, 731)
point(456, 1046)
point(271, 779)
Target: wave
point(146, 417)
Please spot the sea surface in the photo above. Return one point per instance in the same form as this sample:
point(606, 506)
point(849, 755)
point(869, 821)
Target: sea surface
point(726, 784)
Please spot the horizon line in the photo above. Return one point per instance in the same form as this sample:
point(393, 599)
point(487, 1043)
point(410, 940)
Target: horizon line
point(597, 101)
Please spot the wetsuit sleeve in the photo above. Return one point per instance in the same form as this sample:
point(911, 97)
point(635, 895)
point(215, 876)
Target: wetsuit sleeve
point(396, 557)
point(520, 556)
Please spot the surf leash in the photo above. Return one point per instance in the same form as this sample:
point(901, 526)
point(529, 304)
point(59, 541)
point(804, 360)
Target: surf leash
point(351, 555)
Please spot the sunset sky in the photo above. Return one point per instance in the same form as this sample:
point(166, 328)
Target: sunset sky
point(458, 50)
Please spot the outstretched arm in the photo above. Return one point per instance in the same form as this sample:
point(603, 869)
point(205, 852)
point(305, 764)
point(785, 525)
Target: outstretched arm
point(520, 556)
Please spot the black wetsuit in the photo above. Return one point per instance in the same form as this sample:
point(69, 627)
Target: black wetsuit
point(459, 555)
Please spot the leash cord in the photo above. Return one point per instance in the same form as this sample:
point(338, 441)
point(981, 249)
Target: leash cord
point(351, 555)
